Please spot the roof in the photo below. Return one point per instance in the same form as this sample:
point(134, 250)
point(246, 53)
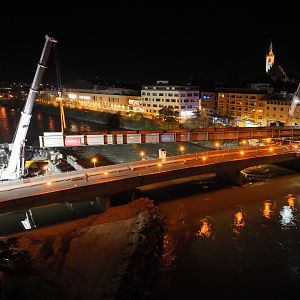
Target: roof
point(241, 91)
point(281, 96)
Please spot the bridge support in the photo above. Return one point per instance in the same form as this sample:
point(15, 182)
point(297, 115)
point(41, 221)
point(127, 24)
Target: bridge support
point(234, 178)
point(291, 164)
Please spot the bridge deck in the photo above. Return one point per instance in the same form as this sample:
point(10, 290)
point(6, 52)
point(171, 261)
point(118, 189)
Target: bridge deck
point(116, 178)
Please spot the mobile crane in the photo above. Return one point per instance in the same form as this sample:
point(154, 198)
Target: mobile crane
point(295, 101)
point(15, 166)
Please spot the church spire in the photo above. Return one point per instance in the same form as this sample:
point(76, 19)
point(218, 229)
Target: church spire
point(271, 48)
point(270, 58)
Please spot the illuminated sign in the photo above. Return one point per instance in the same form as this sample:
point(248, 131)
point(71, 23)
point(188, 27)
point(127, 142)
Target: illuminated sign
point(72, 96)
point(134, 102)
point(187, 114)
point(84, 97)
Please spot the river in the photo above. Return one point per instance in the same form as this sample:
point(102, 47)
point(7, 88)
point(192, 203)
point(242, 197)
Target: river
point(224, 242)
point(40, 122)
point(233, 242)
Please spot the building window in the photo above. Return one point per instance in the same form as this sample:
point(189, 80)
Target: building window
point(268, 107)
point(160, 94)
point(274, 108)
point(154, 94)
point(182, 107)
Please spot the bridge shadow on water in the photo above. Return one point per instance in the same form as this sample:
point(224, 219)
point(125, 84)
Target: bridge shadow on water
point(197, 185)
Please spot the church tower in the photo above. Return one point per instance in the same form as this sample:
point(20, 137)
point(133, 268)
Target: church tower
point(270, 59)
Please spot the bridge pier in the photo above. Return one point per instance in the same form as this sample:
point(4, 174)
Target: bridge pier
point(291, 164)
point(234, 178)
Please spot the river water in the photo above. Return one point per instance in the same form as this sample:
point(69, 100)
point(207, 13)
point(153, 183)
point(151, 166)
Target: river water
point(224, 242)
point(233, 242)
point(40, 122)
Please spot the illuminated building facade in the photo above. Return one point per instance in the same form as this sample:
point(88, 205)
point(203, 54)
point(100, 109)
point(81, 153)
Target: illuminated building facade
point(183, 99)
point(276, 107)
point(112, 100)
point(241, 104)
point(209, 102)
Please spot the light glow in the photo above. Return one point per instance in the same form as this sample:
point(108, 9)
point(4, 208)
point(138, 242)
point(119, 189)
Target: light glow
point(72, 96)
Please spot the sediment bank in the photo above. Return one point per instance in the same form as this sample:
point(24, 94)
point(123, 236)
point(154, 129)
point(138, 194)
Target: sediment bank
point(113, 255)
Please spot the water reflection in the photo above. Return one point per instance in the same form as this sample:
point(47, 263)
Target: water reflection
point(291, 201)
point(238, 222)
point(287, 218)
point(287, 213)
point(48, 215)
point(205, 229)
point(267, 209)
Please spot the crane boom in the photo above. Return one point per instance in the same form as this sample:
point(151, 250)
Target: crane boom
point(295, 101)
point(13, 169)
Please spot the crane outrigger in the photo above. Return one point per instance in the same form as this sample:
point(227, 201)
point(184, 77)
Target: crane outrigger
point(15, 167)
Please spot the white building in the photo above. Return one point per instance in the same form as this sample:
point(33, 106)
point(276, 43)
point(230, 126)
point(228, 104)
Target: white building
point(276, 109)
point(183, 99)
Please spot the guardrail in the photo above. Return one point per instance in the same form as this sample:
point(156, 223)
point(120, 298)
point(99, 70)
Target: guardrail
point(257, 150)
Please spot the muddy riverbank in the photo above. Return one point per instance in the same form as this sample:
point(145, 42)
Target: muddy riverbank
point(114, 255)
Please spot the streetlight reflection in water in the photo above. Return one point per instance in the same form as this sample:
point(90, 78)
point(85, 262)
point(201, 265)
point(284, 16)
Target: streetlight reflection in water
point(267, 209)
point(287, 213)
point(238, 222)
point(205, 229)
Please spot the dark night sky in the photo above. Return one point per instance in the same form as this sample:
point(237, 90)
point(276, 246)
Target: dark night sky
point(149, 40)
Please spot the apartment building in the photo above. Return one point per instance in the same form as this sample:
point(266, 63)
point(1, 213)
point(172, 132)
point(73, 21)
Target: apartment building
point(108, 99)
point(276, 107)
point(209, 102)
point(241, 103)
point(183, 99)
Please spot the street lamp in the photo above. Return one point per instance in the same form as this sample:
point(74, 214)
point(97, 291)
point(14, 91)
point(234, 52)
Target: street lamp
point(159, 166)
point(217, 145)
point(46, 169)
point(204, 159)
point(142, 153)
point(94, 161)
point(244, 142)
point(242, 152)
point(181, 148)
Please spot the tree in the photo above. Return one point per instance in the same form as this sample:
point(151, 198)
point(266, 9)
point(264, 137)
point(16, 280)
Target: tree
point(168, 118)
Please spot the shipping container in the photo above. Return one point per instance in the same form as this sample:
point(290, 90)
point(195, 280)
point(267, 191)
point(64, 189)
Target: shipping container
point(81, 137)
point(167, 137)
point(95, 139)
point(183, 137)
point(109, 139)
point(199, 136)
point(53, 141)
point(56, 133)
point(72, 141)
point(119, 138)
point(41, 140)
point(134, 138)
point(152, 138)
